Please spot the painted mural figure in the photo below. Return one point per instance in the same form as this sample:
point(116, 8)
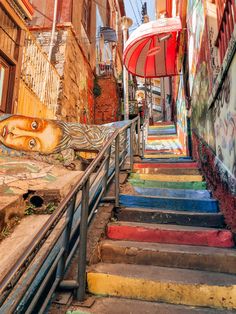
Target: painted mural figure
point(46, 138)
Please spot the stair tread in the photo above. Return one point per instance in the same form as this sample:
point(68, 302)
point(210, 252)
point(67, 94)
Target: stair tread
point(166, 211)
point(165, 274)
point(166, 226)
point(200, 250)
point(172, 198)
point(112, 305)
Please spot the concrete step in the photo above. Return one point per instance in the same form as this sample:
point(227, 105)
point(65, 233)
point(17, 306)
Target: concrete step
point(162, 156)
point(167, 178)
point(168, 171)
point(180, 159)
point(215, 220)
point(174, 203)
point(172, 285)
point(179, 193)
point(169, 185)
point(165, 165)
point(114, 305)
point(168, 255)
point(172, 234)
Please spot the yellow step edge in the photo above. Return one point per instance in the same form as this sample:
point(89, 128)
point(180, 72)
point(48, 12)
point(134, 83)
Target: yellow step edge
point(170, 178)
point(171, 292)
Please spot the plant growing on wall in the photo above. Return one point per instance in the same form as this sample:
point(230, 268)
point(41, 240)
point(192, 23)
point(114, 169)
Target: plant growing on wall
point(96, 88)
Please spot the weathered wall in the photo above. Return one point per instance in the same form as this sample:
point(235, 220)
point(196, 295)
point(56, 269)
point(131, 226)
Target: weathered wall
point(76, 101)
point(107, 104)
point(212, 89)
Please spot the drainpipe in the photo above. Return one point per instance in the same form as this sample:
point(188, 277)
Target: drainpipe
point(126, 22)
point(53, 29)
point(50, 47)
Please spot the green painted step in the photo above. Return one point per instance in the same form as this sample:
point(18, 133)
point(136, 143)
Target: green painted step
point(169, 185)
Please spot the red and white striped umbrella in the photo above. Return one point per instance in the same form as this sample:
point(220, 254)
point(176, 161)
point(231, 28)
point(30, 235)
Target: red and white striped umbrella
point(151, 50)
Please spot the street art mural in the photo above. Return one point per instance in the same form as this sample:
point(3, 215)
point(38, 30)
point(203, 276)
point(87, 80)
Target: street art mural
point(200, 76)
point(182, 116)
point(196, 25)
point(27, 135)
point(225, 122)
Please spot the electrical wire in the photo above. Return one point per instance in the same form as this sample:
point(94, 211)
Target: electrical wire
point(134, 12)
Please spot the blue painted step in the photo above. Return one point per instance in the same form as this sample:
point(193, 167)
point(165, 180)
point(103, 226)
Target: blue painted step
point(195, 194)
point(183, 204)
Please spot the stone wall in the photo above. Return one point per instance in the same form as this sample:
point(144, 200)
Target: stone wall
point(107, 104)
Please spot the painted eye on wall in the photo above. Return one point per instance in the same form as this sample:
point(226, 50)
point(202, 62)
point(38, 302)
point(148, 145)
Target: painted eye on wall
point(34, 125)
point(32, 143)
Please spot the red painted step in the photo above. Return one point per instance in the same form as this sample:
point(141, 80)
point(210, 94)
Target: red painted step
point(182, 165)
point(170, 234)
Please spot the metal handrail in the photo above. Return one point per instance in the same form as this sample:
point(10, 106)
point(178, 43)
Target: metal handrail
point(14, 280)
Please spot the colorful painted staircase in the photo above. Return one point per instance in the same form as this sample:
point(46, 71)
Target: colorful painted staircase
point(168, 246)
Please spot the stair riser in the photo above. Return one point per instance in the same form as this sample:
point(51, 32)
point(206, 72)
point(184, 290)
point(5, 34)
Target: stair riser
point(184, 165)
point(212, 238)
point(167, 171)
point(215, 221)
point(192, 194)
point(169, 185)
point(129, 255)
point(171, 292)
point(207, 206)
point(167, 178)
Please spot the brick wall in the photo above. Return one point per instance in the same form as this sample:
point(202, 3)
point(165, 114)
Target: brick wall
point(107, 104)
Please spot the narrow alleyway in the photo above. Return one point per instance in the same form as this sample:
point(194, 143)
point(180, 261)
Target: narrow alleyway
point(169, 243)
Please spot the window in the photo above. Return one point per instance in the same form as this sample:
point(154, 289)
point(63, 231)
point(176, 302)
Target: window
point(4, 82)
point(86, 16)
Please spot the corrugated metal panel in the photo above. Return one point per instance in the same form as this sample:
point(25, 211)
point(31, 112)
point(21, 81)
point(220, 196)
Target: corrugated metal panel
point(30, 105)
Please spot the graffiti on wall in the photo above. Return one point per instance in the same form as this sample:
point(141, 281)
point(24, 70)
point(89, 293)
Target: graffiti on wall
point(196, 25)
point(181, 115)
point(27, 134)
point(225, 122)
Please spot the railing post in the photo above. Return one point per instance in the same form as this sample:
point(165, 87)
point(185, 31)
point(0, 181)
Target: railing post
point(131, 147)
point(106, 170)
point(117, 169)
point(83, 242)
point(66, 239)
point(143, 140)
point(139, 138)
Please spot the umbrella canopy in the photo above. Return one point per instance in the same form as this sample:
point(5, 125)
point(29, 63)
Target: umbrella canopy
point(151, 50)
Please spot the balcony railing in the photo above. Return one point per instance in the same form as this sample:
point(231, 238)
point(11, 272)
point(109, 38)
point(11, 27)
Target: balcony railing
point(38, 73)
point(226, 12)
point(105, 69)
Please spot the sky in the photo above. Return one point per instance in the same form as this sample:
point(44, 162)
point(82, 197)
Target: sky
point(133, 10)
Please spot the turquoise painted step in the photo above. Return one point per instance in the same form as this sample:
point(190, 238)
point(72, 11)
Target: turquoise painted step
point(183, 204)
point(167, 160)
point(169, 185)
point(196, 194)
point(161, 132)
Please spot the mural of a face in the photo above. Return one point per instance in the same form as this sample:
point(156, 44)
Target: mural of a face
point(30, 134)
point(23, 133)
